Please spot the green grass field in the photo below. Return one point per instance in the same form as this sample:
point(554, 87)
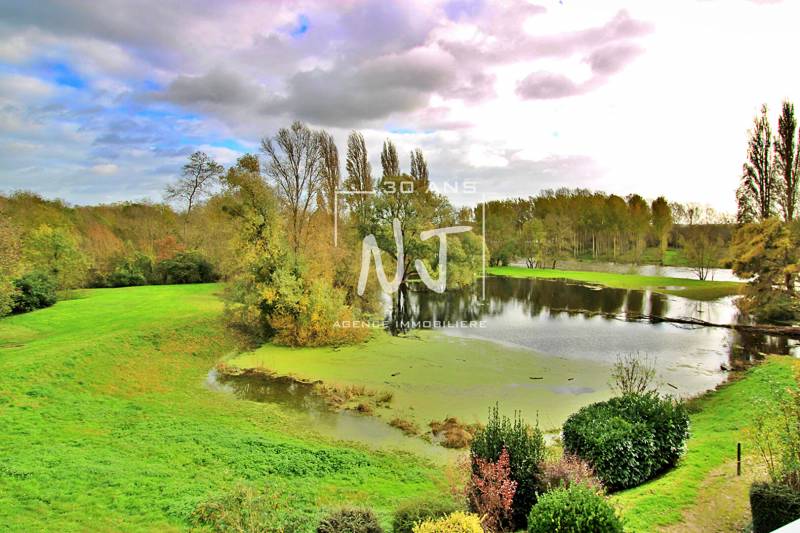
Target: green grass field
point(688, 288)
point(107, 426)
point(703, 492)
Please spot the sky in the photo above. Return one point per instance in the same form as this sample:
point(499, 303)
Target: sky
point(104, 101)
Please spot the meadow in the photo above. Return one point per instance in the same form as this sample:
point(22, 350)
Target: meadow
point(108, 425)
point(688, 288)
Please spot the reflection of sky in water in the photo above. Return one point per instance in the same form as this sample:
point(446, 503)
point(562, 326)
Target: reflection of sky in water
point(574, 321)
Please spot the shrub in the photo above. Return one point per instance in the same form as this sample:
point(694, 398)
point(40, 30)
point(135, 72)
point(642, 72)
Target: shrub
point(350, 520)
point(773, 505)
point(566, 471)
point(572, 510)
point(525, 446)
point(457, 522)
point(245, 508)
point(628, 439)
point(491, 492)
point(33, 291)
point(185, 267)
point(417, 511)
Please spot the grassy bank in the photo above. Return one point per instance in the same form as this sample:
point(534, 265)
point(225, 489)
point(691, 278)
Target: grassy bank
point(107, 424)
point(703, 492)
point(688, 288)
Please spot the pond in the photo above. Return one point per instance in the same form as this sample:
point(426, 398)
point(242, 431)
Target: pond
point(543, 346)
point(577, 321)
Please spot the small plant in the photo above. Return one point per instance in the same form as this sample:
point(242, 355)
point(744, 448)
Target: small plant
point(633, 373)
point(571, 510)
point(406, 426)
point(491, 492)
point(458, 522)
point(350, 520)
point(776, 435)
point(248, 509)
point(568, 470)
point(525, 447)
point(417, 511)
point(453, 433)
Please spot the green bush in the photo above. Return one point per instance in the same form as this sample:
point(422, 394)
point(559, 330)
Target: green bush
point(576, 509)
point(131, 271)
point(185, 267)
point(525, 445)
point(350, 520)
point(458, 522)
point(34, 290)
point(245, 508)
point(629, 439)
point(773, 505)
point(416, 511)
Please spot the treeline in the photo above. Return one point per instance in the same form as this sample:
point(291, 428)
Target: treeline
point(767, 241)
point(581, 224)
point(49, 246)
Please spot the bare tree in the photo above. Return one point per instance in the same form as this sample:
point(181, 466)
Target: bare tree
point(703, 250)
point(758, 177)
point(633, 373)
point(294, 165)
point(199, 174)
point(389, 160)
point(419, 167)
point(787, 160)
point(331, 174)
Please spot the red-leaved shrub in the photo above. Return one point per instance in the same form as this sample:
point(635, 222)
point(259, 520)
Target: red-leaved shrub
point(491, 492)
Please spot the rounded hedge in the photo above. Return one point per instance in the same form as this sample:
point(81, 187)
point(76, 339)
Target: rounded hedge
point(575, 509)
point(628, 439)
point(416, 511)
point(350, 520)
point(773, 505)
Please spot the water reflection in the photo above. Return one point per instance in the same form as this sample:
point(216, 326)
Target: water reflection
point(310, 409)
point(573, 320)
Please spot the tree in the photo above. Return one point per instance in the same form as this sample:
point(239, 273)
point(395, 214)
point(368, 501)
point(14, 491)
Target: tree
point(757, 190)
point(294, 164)
point(662, 222)
point(419, 167)
point(702, 249)
point(389, 160)
point(767, 252)
point(199, 174)
point(359, 173)
point(787, 160)
point(639, 222)
point(55, 252)
point(533, 243)
point(331, 174)
point(9, 263)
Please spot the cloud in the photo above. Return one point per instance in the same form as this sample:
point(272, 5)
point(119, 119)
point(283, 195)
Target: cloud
point(547, 85)
point(612, 58)
point(107, 169)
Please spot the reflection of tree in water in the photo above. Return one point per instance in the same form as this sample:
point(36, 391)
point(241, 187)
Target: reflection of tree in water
point(552, 298)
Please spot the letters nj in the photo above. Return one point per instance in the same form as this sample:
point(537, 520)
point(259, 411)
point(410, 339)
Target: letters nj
point(370, 247)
